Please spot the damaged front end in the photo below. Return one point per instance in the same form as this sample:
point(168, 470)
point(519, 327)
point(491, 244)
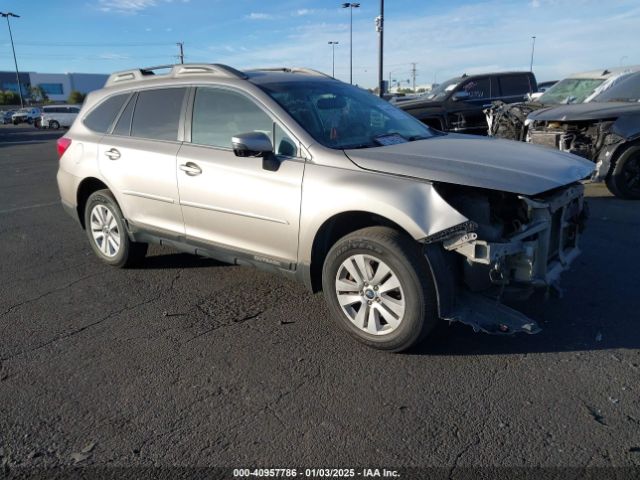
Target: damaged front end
point(593, 140)
point(508, 120)
point(516, 245)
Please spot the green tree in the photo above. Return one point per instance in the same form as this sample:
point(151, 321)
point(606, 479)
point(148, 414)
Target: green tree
point(9, 98)
point(75, 97)
point(38, 94)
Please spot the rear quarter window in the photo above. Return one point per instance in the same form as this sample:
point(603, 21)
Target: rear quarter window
point(100, 118)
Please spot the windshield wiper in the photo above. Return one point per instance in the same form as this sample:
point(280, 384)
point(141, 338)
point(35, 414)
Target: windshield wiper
point(356, 146)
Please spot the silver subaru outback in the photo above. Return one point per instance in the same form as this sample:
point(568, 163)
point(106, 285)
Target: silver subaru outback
point(294, 172)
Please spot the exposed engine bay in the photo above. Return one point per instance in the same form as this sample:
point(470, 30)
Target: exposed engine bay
point(507, 120)
point(516, 244)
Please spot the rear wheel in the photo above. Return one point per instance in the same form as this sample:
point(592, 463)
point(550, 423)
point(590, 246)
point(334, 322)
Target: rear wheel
point(624, 181)
point(107, 234)
point(379, 288)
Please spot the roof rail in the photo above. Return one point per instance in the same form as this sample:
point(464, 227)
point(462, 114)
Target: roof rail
point(308, 71)
point(178, 70)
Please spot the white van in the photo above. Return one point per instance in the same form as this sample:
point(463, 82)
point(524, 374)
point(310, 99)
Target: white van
point(56, 116)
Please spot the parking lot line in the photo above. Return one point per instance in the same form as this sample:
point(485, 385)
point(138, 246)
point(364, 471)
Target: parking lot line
point(28, 207)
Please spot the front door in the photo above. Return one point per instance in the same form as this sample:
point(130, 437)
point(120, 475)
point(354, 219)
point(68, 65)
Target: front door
point(238, 203)
point(466, 115)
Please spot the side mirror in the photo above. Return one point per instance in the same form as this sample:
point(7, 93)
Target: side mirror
point(461, 95)
point(251, 144)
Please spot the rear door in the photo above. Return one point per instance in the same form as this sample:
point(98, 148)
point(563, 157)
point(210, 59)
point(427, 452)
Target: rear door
point(239, 203)
point(515, 88)
point(138, 158)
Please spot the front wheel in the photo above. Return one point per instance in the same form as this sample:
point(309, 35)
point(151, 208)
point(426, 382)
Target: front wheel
point(378, 286)
point(54, 124)
point(624, 181)
point(107, 234)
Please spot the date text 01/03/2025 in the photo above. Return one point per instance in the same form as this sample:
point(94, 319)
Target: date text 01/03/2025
point(315, 473)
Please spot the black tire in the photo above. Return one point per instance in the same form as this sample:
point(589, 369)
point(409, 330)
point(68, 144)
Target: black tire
point(54, 124)
point(30, 121)
point(405, 258)
point(129, 253)
point(624, 181)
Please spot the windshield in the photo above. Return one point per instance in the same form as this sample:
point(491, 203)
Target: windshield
point(341, 116)
point(626, 89)
point(570, 90)
point(443, 90)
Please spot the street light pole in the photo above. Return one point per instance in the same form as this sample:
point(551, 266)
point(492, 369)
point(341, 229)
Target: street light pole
point(380, 28)
point(333, 57)
point(351, 6)
point(15, 61)
point(533, 46)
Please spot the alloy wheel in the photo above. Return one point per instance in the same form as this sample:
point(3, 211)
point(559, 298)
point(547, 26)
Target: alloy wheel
point(105, 231)
point(370, 294)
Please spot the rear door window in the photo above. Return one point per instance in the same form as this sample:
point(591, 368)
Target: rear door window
point(513, 85)
point(157, 114)
point(101, 118)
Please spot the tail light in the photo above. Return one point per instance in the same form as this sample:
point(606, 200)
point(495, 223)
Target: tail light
point(63, 144)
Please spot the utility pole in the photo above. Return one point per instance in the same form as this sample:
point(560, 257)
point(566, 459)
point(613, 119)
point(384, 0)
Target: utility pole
point(7, 15)
point(533, 46)
point(333, 57)
point(181, 54)
point(413, 75)
point(380, 29)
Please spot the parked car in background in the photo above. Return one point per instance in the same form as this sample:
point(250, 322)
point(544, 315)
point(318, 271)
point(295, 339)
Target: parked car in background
point(25, 115)
point(457, 104)
point(506, 120)
point(56, 116)
point(605, 130)
point(398, 224)
point(5, 116)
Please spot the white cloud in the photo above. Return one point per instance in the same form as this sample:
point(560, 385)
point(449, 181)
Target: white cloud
point(113, 56)
point(260, 16)
point(130, 7)
point(486, 36)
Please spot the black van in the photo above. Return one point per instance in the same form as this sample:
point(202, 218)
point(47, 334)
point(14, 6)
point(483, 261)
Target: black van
point(456, 105)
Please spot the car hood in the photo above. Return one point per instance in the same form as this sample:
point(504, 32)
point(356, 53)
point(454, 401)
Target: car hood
point(473, 161)
point(585, 111)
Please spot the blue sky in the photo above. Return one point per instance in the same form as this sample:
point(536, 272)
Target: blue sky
point(444, 38)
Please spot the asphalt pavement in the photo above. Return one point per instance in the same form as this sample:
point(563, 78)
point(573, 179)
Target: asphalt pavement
point(188, 362)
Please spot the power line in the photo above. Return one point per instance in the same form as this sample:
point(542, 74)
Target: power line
point(90, 45)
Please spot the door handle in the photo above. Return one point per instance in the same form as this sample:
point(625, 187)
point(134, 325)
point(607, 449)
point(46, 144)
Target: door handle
point(113, 154)
point(190, 169)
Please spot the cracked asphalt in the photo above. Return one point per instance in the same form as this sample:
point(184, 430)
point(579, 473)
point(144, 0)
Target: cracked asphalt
point(188, 362)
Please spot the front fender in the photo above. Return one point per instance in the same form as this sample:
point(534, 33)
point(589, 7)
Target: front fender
point(413, 204)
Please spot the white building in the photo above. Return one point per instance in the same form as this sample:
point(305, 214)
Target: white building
point(57, 86)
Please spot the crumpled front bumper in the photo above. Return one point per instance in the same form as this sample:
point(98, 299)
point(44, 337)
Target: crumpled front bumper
point(533, 257)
